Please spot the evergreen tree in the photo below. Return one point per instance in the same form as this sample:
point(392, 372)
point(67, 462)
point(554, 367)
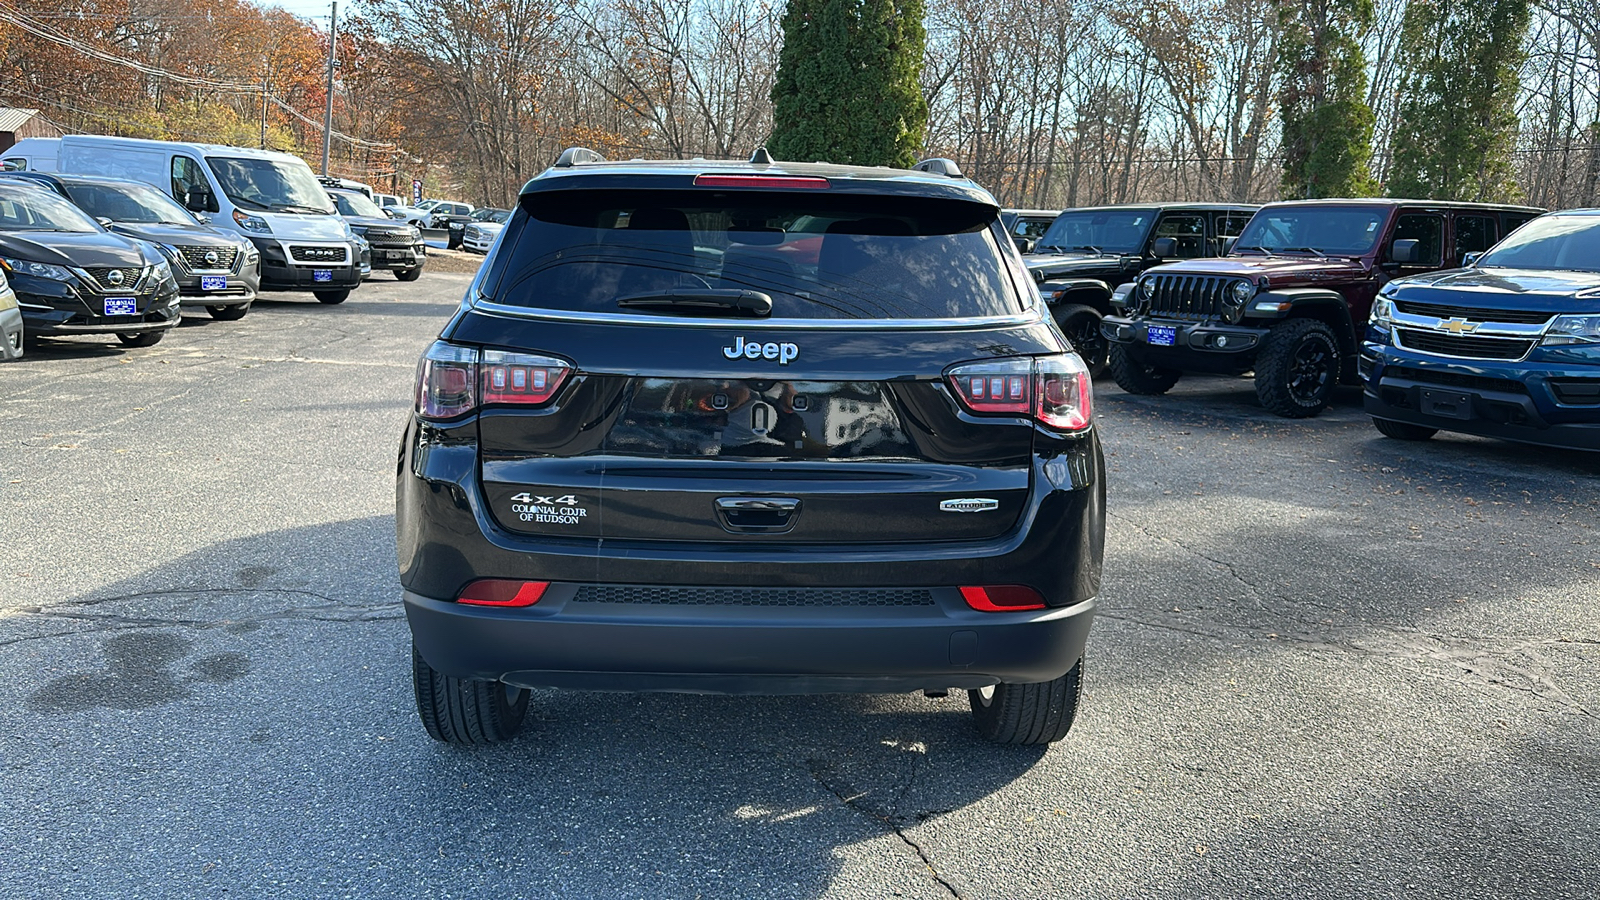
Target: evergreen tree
point(848, 89)
point(1458, 122)
point(1322, 73)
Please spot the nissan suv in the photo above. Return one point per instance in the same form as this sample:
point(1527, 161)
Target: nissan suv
point(1290, 300)
point(750, 428)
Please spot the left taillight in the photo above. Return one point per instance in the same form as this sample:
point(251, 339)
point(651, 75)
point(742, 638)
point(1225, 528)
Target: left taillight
point(1054, 391)
point(453, 380)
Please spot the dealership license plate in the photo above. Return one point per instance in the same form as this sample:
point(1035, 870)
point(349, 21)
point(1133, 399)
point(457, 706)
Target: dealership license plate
point(321, 275)
point(213, 282)
point(1447, 404)
point(1163, 335)
point(122, 306)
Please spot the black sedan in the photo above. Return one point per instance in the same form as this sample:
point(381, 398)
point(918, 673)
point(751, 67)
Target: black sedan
point(72, 276)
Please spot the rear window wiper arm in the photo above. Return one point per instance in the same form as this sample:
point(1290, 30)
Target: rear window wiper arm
point(713, 301)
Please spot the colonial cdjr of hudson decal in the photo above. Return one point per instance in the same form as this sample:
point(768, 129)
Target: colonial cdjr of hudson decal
point(752, 350)
point(563, 510)
point(969, 504)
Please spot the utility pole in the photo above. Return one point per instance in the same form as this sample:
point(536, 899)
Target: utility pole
point(266, 76)
point(327, 116)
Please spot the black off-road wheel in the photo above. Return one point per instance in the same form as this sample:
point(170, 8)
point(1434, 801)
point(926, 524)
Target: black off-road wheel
point(1297, 368)
point(466, 710)
point(1403, 431)
point(228, 313)
point(141, 338)
point(1081, 325)
point(1039, 713)
point(332, 297)
point(1136, 377)
point(408, 274)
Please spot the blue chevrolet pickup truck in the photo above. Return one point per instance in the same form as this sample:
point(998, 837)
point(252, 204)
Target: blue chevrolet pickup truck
point(1508, 347)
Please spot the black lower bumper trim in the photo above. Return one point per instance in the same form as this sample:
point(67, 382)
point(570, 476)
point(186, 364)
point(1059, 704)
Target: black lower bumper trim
point(723, 651)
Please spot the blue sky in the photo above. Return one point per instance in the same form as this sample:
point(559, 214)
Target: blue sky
point(310, 9)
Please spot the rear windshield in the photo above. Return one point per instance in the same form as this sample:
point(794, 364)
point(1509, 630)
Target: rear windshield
point(817, 256)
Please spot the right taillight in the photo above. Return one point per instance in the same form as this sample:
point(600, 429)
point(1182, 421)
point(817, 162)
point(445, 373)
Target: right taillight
point(1054, 390)
point(453, 381)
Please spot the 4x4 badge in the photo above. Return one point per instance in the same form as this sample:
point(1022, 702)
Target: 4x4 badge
point(1458, 326)
point(969, 504)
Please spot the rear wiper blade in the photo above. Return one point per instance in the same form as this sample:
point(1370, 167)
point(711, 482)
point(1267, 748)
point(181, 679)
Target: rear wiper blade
point(716, 301)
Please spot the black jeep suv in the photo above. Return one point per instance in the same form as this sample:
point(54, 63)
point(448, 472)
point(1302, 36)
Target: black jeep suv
point(1088, 252)
point(726, 427)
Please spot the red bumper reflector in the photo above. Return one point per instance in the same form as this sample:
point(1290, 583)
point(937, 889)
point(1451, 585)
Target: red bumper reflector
point(499, 592)
point(1002, 597)
point(761, 181)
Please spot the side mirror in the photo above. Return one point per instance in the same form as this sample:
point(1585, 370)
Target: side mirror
point(197, 199)
point(1165, 248)
point(393, 213)
point(104, 222)
point(1227, 245)
point(1471, 258)
point(1405, 252)
point(1024, 245)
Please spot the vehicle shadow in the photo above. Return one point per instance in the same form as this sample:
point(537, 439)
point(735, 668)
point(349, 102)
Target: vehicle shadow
point(273, 671)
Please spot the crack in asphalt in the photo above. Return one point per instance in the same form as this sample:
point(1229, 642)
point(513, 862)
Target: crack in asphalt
point(887, 819)
point(1485, 659)
point(109, 622)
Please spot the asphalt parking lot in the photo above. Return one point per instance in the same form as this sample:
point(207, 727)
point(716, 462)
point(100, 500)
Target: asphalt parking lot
point(1327, 664)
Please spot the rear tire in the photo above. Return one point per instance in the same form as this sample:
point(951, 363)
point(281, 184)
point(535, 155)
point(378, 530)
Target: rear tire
point(141, 339)
point(1297, 368)
point(465, 710)
point(1403, 431)
point(1039, 713)
point(332, 297)
point(1081, 325)
point(408, 274)
point(228, 313)
point(1136, 377)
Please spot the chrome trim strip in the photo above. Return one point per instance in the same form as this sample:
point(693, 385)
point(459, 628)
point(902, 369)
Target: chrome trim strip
point(1031, 316)
point(1485, 329)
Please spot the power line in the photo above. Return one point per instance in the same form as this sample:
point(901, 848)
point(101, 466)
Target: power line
point(10, 14)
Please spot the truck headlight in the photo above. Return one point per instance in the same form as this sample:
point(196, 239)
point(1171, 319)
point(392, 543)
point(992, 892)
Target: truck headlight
point(1567, 330)
point(1241, 292)
point(251, 223)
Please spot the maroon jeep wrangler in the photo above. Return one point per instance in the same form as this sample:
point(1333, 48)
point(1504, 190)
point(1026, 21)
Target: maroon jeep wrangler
point(1290, 300)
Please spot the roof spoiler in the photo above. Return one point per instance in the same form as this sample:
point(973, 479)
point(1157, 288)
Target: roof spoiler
point(939, 165)
point(573, 156)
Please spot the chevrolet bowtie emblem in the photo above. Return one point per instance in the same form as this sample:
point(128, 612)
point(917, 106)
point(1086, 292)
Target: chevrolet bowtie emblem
point(1458, 326)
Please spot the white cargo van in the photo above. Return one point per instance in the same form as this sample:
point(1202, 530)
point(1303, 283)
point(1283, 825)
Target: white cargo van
point(271, 198)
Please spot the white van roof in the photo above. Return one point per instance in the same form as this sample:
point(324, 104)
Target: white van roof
point(203, 149)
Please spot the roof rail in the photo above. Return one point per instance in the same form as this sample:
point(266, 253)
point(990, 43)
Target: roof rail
point(574, 155)
point(938, 165)
point(761, 157)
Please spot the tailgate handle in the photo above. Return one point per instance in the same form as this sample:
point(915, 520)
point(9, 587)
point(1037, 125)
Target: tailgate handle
point(757, 515)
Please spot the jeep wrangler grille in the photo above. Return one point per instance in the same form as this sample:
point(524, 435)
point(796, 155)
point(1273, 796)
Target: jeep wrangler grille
point(1189, 296)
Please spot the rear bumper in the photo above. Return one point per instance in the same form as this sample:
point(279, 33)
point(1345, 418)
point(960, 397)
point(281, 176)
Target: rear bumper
point(560, 643)
point(1510, 401)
